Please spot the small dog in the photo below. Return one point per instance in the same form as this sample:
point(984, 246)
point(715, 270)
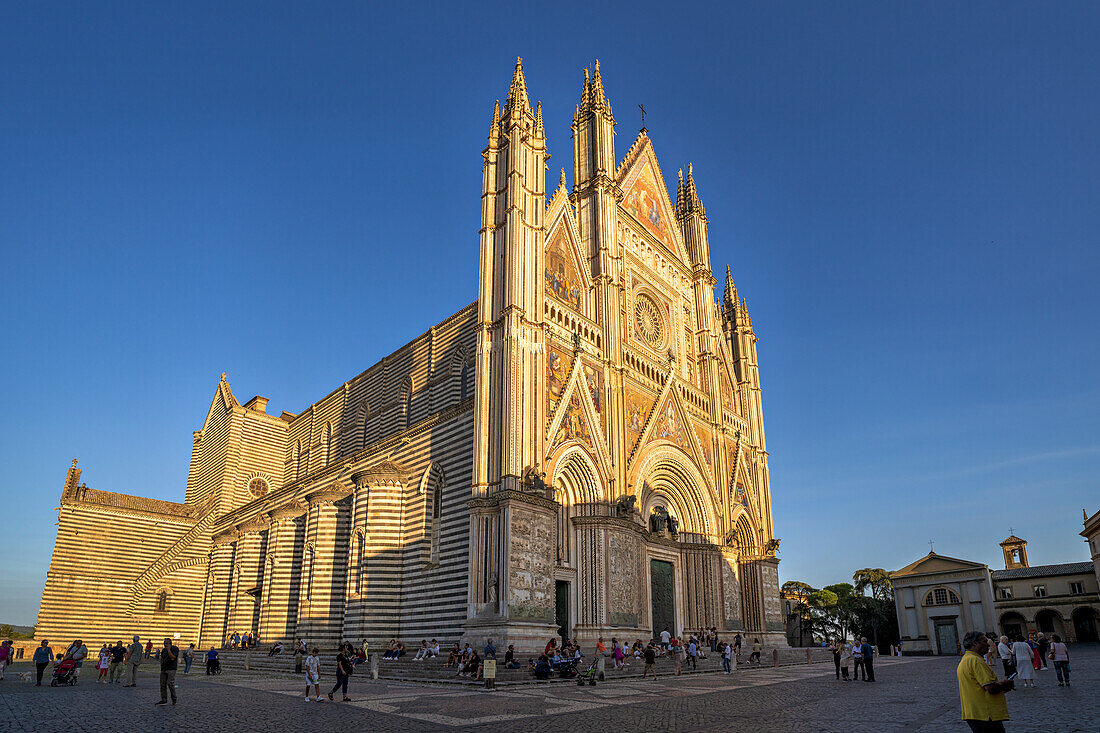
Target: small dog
point(27, 676)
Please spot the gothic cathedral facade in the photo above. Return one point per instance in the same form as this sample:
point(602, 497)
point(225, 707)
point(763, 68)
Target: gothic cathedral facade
point(579, 452)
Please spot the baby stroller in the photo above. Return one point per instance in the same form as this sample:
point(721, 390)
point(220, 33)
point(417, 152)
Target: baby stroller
point(588, 675)
point(567, 670)
point(64, 673)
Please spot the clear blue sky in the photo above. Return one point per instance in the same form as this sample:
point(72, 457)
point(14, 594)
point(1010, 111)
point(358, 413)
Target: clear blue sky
point(907, 192)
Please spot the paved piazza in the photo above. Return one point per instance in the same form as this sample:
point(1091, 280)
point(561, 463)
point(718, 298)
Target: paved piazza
point(913, 694)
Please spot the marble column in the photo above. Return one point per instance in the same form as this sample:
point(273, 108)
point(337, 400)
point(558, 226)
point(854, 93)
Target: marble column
point(279, 599)
point(216, 608)
point(249, 564)
point(321, 599)
point(383, 555)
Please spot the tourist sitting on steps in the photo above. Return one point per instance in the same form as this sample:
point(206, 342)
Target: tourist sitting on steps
point(422, 652)
point(276, 648)
point(454, 656)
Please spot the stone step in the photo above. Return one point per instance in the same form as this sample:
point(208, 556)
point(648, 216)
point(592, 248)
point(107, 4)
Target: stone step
point(434, 670)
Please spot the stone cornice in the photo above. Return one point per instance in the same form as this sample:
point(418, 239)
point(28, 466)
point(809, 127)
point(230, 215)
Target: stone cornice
point(497, 498)
point(383, 473)
point(328, 494)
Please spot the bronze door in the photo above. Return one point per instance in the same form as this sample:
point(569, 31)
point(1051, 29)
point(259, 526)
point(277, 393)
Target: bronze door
point(662, 593)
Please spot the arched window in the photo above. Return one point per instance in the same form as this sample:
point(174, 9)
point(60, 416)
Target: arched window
point(303, 461)
point(431, 485)
point(464, 390)
point(360, 556)
point(405, 405)
point(162, 602)
point(326, 444)
point(941, 597)
point(295, 451)
point(307, 569)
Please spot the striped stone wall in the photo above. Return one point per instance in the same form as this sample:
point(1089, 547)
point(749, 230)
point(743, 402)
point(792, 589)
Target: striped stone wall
point(104, 543)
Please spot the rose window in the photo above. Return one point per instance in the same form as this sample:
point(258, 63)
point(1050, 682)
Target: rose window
point(647, 320)
point(257, 487)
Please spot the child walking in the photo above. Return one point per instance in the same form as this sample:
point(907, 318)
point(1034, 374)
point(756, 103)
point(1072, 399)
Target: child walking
point(313, 676)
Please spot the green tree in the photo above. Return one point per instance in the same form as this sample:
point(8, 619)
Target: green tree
point(800, 591)
point(875, 580)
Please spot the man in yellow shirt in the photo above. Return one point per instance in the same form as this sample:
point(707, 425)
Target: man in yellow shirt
point(984, 707)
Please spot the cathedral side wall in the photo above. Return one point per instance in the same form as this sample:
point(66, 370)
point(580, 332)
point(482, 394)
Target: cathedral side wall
point(434, 597)
point(98, 554)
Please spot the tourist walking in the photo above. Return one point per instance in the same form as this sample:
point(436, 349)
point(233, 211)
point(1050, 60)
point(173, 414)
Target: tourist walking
point(1025, 669)
point(693, 652)
point(6, 653)
point(845, 659)
point(666, 639)
point(313, 675)
point(77, 652)
point(43, 655)
point(650, 658)
point(117, 663)
point(981, 695)
point(836, 649)
point(1004, 651)
point(343, 672)
point(1044, 649)
point(868, 652)
point(1059, 654)
point(727, 657)
point(169, 657)
point(188, 658)
point(299, 656)
point(103, 663)
point(133, 660)
point(757, 647)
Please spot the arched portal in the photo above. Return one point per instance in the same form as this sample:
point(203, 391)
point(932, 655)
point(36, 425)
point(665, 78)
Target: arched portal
point(1013, 624)
point(1086, 624)
point(667, 477)
point(1050, 622)
point(577, 487)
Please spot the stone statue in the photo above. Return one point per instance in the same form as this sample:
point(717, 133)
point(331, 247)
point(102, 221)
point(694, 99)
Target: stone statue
point(658, 520)
point(625, 504)
point(772, 546)
point(491, 589)
point(673, 525)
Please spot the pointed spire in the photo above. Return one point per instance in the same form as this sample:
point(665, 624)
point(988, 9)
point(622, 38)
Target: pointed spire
point(539, 131)
point(731, 291)
point(691, 202)
point(585, 94)
point(561, 181)
point(597, 85)
point(494, 126)
point(680, 193)
point(517, 102)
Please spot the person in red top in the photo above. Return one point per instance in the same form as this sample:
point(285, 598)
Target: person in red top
point(550, 646)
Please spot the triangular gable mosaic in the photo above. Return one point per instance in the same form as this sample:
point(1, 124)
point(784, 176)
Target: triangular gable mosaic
point(558, 362)
point(593, 378)
point(705, 442)
point(561, 278)
point(646, 202)
point(670, 426)
point(574, 424)
point(638, 404)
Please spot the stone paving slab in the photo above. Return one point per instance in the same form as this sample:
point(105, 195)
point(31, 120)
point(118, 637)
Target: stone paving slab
point(912, 694)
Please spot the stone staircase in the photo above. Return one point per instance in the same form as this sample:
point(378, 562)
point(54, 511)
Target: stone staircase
point(433, 671)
